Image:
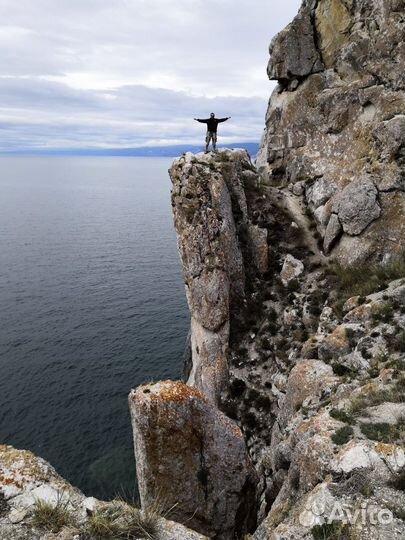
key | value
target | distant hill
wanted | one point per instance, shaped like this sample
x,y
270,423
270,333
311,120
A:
x,y
151,151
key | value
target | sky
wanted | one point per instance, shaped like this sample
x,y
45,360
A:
x,y
129,73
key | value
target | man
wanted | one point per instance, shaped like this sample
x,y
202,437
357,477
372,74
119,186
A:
x,y
212,125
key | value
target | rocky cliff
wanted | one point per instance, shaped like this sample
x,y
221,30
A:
x,y
335,126
315,368
217,237
301,341
290,423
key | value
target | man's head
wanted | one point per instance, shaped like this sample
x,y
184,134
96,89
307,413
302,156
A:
x,y
212,115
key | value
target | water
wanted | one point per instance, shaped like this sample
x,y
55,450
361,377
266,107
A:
x,y
92,304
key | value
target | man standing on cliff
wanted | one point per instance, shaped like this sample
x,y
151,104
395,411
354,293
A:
x,y
212,125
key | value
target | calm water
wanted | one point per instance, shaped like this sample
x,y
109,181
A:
x,y
92,304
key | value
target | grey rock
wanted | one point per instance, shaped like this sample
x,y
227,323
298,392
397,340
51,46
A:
x,y
344,122
26,478
318,193
297,188
332,232
357,206
209,207
293,51
194,457
292,269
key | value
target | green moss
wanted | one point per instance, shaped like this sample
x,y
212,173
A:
x,y
342,416
380,431
331,531
399,342
351,336
384,313
398,482
374,372
340,369
343,435
384,432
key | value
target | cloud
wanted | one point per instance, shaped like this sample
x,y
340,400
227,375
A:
x,y
130,72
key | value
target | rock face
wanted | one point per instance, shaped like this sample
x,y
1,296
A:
x,y
294,52
193,457
336,123
307,357
25,479
210,215
338,439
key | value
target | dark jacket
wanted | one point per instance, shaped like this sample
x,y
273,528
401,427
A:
x,y
212,123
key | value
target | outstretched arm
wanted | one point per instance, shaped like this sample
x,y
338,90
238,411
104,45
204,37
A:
x,y
202,120
223,119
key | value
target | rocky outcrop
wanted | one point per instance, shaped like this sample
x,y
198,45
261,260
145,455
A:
x,y
194,458
335,123
294,52
215,232
26,481
306,356
338,441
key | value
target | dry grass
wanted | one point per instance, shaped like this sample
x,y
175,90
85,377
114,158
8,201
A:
x,y
365,279
52,516
121,520
393,394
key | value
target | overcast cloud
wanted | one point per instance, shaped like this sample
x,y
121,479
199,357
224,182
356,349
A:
x,y
119,73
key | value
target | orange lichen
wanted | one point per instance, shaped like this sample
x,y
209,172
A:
x,y
21,463
170,391
386,449
10,482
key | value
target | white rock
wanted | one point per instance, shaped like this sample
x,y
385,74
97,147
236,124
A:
x,y
90,504
17,515
354,457
292,268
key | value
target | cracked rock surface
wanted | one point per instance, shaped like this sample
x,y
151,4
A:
x,y
193,457
336,123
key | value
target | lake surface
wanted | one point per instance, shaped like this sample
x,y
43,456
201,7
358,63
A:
x,y
92,304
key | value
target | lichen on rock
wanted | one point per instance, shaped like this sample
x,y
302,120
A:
x,y
340,127
194,458
213,226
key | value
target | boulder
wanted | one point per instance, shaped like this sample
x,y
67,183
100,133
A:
x,y
292,269
194,458
357,206
294,54
26,478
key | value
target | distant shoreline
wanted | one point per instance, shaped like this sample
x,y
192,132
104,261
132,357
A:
x,y
152,151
